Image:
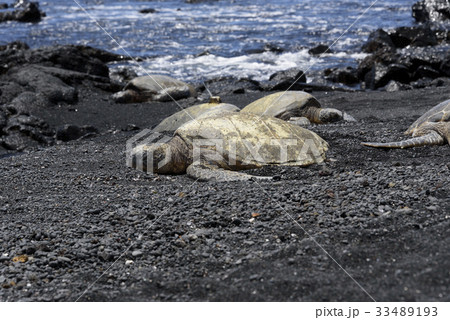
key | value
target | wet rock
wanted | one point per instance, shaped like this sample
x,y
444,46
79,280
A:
x,y
199,1
147,10
346,75
378,40
72,132
431,10
25,12
255,48
420,36
320,49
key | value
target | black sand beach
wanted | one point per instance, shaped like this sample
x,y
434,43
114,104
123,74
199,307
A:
x,y
94,230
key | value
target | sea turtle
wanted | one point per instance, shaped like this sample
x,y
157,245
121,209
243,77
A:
x,y
432,128
213,107
216,147
297,107
154,88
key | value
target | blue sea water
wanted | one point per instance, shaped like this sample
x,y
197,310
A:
x,y
234,33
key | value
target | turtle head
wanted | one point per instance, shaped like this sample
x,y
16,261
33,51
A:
x,y
327,115
164,158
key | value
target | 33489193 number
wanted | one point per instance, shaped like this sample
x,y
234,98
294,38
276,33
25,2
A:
x,y
407,311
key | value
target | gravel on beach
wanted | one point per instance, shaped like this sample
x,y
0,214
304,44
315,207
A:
x,y
77,224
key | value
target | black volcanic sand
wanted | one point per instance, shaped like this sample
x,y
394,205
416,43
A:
x,y
94,230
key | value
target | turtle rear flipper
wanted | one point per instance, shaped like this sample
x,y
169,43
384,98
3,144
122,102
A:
x,y
208,172
430,139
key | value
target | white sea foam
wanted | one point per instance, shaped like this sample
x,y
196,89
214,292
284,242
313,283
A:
x,y
255,66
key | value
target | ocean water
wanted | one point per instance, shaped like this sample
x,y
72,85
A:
x,y
195,42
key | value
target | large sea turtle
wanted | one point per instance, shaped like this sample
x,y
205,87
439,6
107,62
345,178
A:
x,y
218,146
213,107
432,128
295,106
154,88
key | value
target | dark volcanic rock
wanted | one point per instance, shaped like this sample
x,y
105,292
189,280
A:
x,y
54,89
431,10
288,79
74,58
414,57
27,102
23,131
3,120
347,76
26,12
431,60
199,1
445,67
227,85
8,91
321,48
381,74
71,57
255,48
33,81
383,56
420,36
378,40
72,132
425,72
147,10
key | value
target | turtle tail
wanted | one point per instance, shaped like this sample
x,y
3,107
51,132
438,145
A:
x,y
430,139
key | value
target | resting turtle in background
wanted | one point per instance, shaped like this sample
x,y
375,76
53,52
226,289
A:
x,y
213,107
154,88
297,107
432,128
218,146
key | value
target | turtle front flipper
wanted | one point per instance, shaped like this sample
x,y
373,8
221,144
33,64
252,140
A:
x,y
206,172
430,139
